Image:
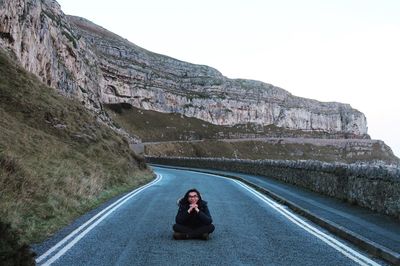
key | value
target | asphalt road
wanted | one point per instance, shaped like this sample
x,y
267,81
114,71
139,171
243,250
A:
x,y
250,230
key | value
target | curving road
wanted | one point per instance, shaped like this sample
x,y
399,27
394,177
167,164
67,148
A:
x,y
250,230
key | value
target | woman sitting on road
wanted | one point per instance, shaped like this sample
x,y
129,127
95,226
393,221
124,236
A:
x,y
193,219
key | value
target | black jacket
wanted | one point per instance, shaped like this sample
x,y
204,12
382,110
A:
x,y
193,219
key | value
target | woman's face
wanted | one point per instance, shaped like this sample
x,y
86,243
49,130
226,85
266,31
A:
x,y
193,198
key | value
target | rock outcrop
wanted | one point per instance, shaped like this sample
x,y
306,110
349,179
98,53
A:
x,y
97,66
41,38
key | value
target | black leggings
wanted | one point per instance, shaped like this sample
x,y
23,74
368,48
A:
x,y
194,231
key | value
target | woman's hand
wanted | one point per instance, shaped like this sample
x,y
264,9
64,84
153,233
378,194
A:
x,y
193,206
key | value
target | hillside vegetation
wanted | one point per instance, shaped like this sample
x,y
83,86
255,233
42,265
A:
x,y
155,126
170,134
56,160
277,149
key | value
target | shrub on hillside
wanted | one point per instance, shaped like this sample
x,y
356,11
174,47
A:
x,y
12,252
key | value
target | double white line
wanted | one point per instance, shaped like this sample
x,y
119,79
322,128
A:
x,y
70,240
339,246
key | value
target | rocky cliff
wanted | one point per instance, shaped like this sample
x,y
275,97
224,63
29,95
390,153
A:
x,y
97,66
41,38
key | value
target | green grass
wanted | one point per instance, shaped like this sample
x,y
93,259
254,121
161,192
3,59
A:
x,y
56,160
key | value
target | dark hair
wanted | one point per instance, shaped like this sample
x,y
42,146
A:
x,y
185,198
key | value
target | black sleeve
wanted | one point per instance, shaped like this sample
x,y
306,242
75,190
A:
x,y
205,215
182,214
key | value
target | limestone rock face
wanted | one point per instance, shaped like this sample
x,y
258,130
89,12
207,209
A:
x,y
97,66
41,38
155,82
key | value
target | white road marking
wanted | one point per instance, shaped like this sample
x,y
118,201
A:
x,y
103,214
282,209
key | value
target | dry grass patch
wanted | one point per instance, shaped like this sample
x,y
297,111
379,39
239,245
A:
x,y
155,126
272,150
56,160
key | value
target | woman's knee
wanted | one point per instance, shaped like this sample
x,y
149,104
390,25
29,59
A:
x,y
211,228
176,228
181,228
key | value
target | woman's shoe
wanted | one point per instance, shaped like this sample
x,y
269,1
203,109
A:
x,y
179,236
205,236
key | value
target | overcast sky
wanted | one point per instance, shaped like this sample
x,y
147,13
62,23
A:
x,y
334,50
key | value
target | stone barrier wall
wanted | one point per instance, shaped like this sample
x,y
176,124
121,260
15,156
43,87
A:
x,y
376,187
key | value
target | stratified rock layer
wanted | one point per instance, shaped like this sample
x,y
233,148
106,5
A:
x,y
41,38
97,66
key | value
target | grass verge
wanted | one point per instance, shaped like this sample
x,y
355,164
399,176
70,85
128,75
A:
x,y
56,160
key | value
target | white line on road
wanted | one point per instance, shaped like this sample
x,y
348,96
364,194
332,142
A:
x,y
103,214
345,250
342,248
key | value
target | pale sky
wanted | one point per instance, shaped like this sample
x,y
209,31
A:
x,y
330,50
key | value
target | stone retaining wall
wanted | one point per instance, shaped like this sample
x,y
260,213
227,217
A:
x,y
376,187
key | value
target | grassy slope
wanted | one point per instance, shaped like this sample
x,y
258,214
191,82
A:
x,y
56,160
155,126
266,150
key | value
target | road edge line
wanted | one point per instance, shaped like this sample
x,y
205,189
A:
x,y
368,245
92,220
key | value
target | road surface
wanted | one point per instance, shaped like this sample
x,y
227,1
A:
x,y
250,230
